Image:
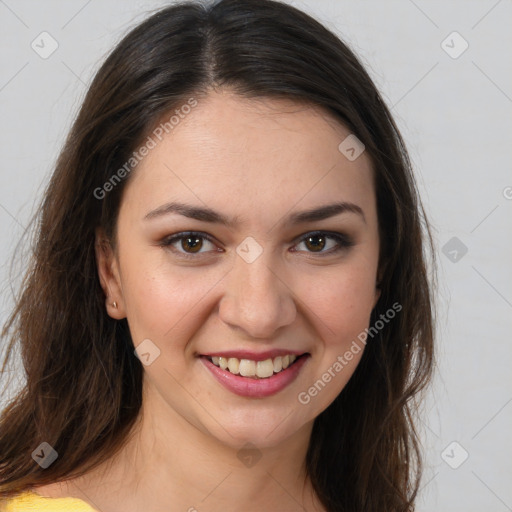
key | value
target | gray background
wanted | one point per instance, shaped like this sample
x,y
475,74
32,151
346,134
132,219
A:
x,y
455,115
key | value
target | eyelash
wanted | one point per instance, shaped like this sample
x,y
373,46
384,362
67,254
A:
x,y
343,241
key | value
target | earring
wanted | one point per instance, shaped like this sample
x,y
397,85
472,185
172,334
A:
x,y
114,304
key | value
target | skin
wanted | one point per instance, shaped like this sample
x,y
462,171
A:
x,y
259,161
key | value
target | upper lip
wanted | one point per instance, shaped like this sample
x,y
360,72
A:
x,y
255,356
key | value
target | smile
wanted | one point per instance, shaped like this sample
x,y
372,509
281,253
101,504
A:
x,y
255,379
255,369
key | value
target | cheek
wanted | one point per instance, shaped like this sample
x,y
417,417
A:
x,y
341,305
342,302
162,302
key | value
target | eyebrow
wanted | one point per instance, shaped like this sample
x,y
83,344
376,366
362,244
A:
x,y
209,215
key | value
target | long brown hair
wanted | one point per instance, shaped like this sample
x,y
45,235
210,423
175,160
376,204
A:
x,y
83,387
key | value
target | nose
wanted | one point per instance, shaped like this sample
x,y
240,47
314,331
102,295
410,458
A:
x,y
257,300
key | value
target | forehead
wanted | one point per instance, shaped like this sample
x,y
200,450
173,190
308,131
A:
x,y
250,153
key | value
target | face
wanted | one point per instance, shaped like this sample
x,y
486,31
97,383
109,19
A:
x,y
219,260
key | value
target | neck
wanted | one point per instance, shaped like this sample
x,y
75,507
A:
x,y
169,462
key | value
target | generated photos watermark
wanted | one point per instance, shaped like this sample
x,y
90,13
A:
x,y
151,142
304,397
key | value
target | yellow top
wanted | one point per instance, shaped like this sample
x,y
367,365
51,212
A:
x,y
31,502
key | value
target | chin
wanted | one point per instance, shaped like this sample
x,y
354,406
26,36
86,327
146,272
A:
x,y
252,427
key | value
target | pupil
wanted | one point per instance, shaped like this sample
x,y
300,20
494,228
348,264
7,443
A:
x,y
317,246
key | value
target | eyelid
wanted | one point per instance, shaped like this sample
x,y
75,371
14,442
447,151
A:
x,y
343,241
328,234
167,242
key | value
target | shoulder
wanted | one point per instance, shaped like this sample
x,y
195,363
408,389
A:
x,y
29,501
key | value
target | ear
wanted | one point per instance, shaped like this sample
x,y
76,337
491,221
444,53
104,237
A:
x,y
108,272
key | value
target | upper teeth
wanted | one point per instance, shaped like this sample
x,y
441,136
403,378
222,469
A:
x,y
249,368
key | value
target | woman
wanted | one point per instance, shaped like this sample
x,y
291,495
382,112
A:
x,y
228,304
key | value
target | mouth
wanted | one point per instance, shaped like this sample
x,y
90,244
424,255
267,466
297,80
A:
x,y
253,369
257,377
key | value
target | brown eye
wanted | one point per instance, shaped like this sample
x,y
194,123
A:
x,y
191,243
317,242
188,245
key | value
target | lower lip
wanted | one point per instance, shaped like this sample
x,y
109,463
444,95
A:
x,y
256,388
